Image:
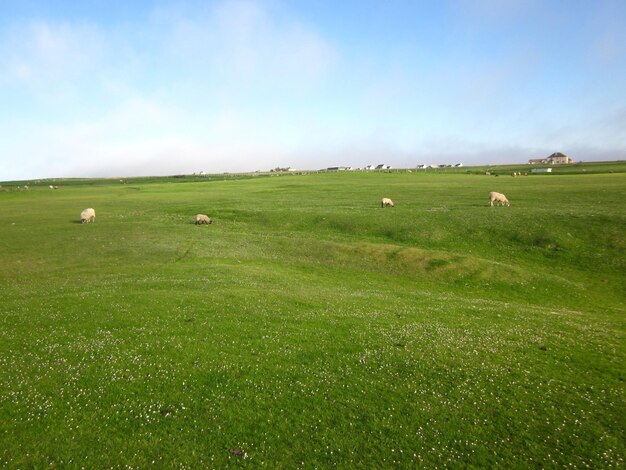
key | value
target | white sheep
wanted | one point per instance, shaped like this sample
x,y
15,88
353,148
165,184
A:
x,y
203,219
498,198
386,202
88,215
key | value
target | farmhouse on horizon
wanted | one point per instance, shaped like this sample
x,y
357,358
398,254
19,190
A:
x,y
556,158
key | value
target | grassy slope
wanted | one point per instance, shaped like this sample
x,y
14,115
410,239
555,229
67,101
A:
x,y
310,325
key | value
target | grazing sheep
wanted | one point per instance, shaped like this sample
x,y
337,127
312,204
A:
x,y
203,219
386,202
498,198
88,215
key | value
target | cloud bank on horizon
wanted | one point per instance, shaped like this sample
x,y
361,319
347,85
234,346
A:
x,y
101,88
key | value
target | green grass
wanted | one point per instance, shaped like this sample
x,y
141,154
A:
x,y
308,327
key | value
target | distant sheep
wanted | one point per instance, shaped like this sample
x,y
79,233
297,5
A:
x,y
88,215
203,219
498,198
386,202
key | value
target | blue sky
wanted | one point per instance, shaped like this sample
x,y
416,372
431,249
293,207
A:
x,y
119,88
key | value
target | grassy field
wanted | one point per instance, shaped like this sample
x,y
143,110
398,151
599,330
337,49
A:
x,y
309,328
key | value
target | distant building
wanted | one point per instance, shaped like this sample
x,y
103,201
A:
x,y
382,166
339,168
557,158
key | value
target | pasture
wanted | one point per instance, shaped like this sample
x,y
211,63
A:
x,y
308,327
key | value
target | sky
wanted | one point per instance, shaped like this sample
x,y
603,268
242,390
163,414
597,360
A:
x,y
107,88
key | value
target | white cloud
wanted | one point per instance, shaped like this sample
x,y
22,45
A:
x,y
242,40
39,52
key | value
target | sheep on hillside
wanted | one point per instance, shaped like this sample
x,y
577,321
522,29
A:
x,y
386,202
88,215
498,198
203,219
